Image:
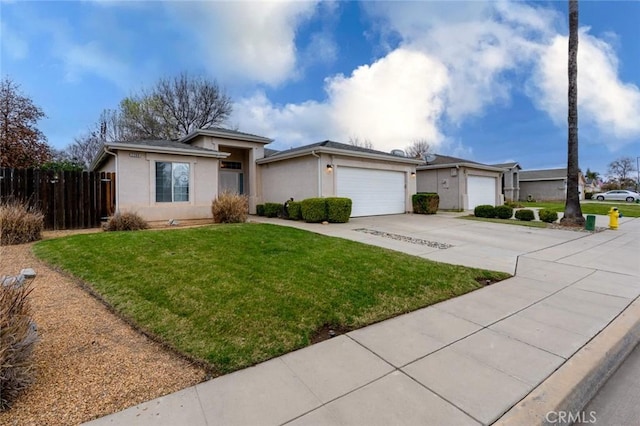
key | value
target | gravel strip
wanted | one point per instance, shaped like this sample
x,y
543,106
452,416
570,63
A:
x,y
89,362
398,237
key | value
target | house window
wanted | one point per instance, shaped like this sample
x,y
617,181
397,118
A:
x,y
231,165
172,182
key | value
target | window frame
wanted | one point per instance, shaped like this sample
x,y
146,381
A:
x,y
176,190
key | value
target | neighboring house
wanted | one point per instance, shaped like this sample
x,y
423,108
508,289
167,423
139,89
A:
x,y
161,180
547,184
377,182
461,184
592,185
510,180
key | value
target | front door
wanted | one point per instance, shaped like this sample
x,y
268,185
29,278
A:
x,y
231,181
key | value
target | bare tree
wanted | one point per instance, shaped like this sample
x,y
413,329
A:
x,y
572,209
418,148
621,168
22,144
362,143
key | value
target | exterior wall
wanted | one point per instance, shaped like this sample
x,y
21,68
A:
x,y
136,186
109,165
543,190
308,176
511,184
446,183
281,180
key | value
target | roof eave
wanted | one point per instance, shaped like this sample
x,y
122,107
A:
x,y
337,151
225,135
468,165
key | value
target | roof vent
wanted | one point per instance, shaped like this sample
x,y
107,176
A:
x,y
398,152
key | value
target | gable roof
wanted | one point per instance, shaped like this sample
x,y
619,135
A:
x,y
445,161
545,174
155,146
507,165
221,132
332,147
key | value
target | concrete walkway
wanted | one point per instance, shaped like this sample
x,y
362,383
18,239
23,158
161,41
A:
x,y
464,361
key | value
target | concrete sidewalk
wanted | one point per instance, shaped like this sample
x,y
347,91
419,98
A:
x,y
464,361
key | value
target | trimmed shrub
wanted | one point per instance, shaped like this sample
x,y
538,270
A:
x,y
504,212
425,203
17,340
338,209
272,209
484,210
295,210
260,209
127,221
514,204
547,215
314,210
19,223
525,214
230,207
588,195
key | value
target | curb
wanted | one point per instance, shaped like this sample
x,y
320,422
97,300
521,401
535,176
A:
x,y
561,397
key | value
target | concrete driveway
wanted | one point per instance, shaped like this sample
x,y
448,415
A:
x,y
446,238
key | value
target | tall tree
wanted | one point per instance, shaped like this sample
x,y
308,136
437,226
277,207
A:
x,y
595,176
620,172
22,144
418,148
174,107
572,209
362,143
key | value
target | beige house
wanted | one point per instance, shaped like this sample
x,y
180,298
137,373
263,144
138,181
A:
x,y
163,180
547,184
510,180
377,182
461,184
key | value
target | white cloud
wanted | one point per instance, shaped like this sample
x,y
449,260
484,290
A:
x,y
605,102
90,57
254,41
12,43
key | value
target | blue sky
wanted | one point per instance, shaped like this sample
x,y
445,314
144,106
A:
x,y
484,81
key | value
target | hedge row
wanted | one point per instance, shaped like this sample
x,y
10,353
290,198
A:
x,y
314,210
486,210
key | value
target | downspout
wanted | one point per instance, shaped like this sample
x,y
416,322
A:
x,y
106,150
313,152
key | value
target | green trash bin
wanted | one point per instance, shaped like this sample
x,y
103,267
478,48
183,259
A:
x,y
590,224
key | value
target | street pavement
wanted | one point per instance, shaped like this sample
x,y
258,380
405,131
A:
x,y
467,360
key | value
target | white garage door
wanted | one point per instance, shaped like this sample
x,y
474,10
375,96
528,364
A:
x,y
373,192
481,190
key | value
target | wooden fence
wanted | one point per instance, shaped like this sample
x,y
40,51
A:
x,y
68,200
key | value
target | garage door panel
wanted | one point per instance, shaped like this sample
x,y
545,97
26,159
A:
x,y
373,192
481,190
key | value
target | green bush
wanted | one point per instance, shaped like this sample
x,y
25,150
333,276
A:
x,y
127,221
338,209
314,210
547,215
588,195
504,212
514,204
525,214
295,210
425,203
18,336
230,207
19,223
272,209
260,209
484,210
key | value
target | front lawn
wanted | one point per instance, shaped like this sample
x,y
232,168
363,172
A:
x,y
594,207
236,295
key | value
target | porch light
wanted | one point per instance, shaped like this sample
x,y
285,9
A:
x,y
413,175
329,168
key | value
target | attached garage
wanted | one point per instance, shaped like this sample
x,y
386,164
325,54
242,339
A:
x,y
481,190
373,192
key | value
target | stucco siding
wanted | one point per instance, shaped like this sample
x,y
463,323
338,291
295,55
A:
x,y
137,190
543,190
296,177
442,182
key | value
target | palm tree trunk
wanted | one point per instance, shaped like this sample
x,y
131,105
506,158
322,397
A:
x,y
572,210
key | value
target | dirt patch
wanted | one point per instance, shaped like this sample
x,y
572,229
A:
x,y
486,281
328,331
89,362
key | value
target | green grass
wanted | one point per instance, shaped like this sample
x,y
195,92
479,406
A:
x,y
531,224
235,295
595,207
